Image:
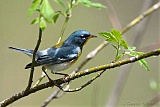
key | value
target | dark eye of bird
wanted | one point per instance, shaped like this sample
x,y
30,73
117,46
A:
x,y
84,36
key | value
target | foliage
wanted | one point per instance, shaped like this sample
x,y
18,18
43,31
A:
x,y
48,15
115,39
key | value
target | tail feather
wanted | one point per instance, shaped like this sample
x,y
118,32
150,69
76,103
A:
x,y
26,51
28,66
14,48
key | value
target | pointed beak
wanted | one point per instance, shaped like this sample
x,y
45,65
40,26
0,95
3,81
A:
x,y
92,36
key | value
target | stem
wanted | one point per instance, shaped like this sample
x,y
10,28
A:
x,y
117,50
33,60
34,56
141,17
21,94
68,15
63,28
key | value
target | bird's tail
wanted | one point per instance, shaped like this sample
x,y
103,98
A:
x,y
25,51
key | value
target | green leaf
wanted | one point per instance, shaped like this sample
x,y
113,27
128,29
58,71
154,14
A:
x,y
143,63
56,15
131,48
117,34
46,10
33,7
60,3
97,5
35,21
124,44
42,24
88,3
48,20
108,36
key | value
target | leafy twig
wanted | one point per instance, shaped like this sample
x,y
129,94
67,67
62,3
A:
x,y
78,75
103,44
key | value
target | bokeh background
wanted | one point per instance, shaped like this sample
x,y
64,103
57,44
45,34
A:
x,y
16,30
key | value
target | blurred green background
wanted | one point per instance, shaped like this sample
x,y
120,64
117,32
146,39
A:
x,y
16,30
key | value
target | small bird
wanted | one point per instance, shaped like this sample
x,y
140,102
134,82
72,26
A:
x,y
61,56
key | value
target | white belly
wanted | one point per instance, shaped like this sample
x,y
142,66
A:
x,y
58,67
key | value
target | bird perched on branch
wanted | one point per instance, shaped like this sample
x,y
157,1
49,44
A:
x,y
62,55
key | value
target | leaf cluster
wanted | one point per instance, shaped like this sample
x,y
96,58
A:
x,y
49,15
122,48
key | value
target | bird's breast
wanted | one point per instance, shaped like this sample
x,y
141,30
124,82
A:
x,y
58,67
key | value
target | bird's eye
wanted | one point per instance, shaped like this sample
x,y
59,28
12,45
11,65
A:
x,y
84,36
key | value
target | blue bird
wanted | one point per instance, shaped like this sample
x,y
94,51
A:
x,y
61,56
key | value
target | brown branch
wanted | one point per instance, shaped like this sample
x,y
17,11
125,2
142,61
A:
x,y
77,75
34,56
33,60
54,95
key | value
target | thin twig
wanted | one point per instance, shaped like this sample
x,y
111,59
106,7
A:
x,y
63,28
33,61
40,79
142,16
86,84
78,75
52,96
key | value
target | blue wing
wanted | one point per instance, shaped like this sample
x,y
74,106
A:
x,y
56,56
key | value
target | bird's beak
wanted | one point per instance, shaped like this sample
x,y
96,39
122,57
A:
x,y
92,36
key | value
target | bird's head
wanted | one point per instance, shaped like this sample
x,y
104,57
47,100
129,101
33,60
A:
x,y
79,38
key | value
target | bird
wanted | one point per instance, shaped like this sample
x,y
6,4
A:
x,y
60,56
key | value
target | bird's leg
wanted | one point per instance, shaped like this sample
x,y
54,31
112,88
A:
x,y
65,75
43,69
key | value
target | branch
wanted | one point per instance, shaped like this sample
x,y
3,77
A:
x,y
142,16
52,96
84,85
122,77
33,61
63,28
77,75
130,25
101,46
